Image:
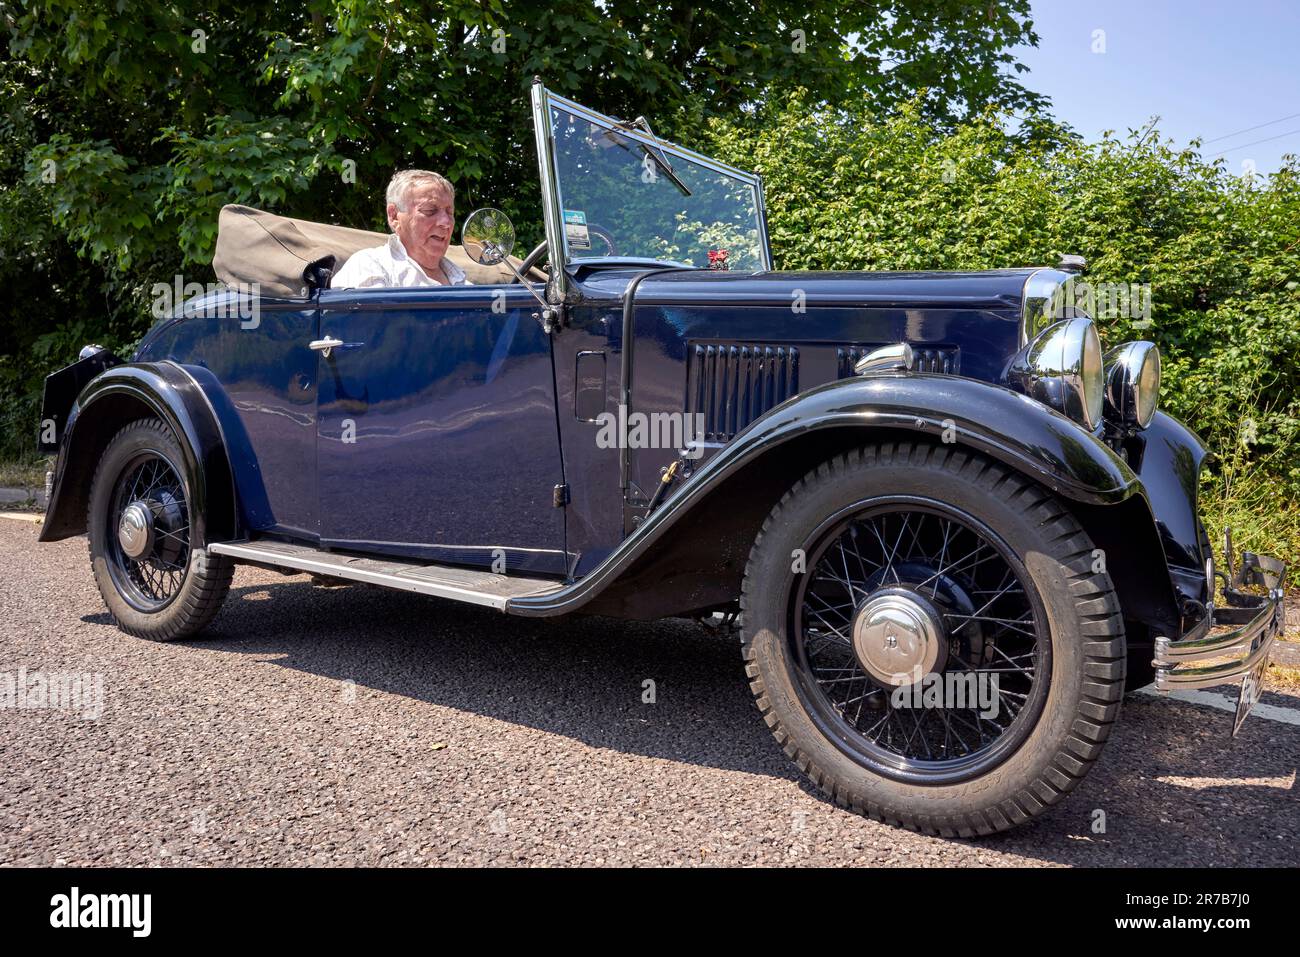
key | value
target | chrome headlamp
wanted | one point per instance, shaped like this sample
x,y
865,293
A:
x,y
1132,384
1061,367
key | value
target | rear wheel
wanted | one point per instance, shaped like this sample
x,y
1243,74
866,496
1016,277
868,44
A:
x,y
150,564
927,638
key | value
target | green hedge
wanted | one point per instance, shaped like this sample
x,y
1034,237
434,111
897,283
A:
x,y
1221,255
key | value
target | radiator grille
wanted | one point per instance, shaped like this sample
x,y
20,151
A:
x,y
732,385
945,359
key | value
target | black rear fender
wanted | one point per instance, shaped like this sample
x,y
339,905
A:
x,y
123,394
61,391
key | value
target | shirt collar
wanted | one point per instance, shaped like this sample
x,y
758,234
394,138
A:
x,y
454,272
455,275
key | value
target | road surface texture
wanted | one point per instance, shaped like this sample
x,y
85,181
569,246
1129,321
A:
x,y
360,726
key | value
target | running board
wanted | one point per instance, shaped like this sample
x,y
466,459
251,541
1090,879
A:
x,y
441,581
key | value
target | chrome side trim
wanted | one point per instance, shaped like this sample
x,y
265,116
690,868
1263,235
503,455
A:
x,y
440,581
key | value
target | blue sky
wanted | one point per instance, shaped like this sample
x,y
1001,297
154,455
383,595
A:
x,y
1207,68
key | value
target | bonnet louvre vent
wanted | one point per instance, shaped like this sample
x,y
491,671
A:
x,y
943,359
732,385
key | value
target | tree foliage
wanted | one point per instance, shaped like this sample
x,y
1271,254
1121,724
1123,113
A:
x,y
124,127
1221,255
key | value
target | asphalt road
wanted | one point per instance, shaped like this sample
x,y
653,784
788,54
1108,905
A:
x,y
360,726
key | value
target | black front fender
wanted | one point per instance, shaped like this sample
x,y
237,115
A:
x,y
120,395
1005,425
672,566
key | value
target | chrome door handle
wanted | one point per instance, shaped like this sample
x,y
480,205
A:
x,y
323,346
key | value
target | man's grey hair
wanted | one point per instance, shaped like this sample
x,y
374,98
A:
x,y
399,187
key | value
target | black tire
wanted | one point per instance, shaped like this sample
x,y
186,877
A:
x,y
176,587
1047,748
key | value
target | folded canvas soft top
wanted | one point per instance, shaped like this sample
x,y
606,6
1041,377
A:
x,y
289,257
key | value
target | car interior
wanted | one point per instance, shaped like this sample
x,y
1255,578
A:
x,y
292,258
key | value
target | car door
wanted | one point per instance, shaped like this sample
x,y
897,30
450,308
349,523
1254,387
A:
x,y
436,427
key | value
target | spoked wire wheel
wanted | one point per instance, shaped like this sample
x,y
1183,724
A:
x,y
150,551
917,639
147,532
939,651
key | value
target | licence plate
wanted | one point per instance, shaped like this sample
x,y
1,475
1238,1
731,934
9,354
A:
x,y
1252,686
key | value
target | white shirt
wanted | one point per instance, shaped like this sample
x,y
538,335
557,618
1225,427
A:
x,y
389,265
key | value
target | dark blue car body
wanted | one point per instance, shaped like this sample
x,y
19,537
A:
x,y
466,419
651,436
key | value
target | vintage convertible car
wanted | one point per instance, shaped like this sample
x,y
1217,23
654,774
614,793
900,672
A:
x,y
947,527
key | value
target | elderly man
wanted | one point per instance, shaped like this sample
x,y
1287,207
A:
x,y
422,214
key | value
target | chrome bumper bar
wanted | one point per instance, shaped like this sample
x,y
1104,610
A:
x,y
1247,647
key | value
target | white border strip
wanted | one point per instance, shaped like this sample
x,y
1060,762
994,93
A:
x,y
1269,712
32,518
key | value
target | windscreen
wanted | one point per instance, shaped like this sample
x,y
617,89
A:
x,y
623,193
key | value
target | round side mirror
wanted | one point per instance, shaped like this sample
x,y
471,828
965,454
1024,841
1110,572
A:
x,y
488,236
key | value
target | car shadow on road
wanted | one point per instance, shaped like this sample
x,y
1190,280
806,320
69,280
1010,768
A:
x,y
1173,787
584,677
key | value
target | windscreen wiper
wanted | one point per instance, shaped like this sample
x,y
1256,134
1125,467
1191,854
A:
x,y
655,153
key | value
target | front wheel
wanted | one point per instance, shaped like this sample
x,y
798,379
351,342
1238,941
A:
x,y
927,637
152,568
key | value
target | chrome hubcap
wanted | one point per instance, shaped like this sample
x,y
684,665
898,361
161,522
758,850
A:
x,y
135,531
898,637
902,590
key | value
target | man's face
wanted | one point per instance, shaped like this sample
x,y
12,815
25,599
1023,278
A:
x,y
425,227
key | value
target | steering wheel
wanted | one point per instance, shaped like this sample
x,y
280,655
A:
x,y
606,237
541,249
533,258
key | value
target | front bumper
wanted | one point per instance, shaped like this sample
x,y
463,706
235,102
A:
x,y
1180,664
